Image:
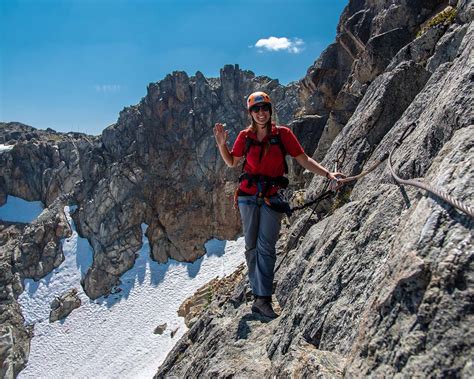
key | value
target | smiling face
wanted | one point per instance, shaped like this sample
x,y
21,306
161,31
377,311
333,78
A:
x,y
261,114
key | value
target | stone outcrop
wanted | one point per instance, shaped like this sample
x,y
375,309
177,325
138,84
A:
x,y
14,335
39,249
160,328
63,305
216,292
26,251
166,171
383,284
157,165
43,165
369,35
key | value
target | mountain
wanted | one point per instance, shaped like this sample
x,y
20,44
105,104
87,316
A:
x,y
377,281
380,283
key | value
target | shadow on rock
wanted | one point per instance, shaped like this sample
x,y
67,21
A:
x,y
244,329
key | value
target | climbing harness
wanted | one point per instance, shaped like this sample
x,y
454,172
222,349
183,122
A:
x,y
264,183
272,140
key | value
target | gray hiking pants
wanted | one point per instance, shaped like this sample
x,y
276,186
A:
x,y
261,228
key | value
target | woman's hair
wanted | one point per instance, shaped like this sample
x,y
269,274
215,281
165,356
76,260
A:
x,y
253,126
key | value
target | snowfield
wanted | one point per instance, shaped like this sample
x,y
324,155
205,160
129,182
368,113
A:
x,y
114,336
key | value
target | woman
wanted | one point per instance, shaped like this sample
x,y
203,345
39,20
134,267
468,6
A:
x,y
263,145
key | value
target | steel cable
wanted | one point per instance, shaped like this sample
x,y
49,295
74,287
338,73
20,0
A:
x,y
436,191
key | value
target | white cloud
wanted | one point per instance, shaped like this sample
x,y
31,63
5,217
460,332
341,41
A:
x,y
106,88
280,44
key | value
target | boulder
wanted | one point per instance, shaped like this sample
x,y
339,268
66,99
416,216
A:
x,y
160,328
63,305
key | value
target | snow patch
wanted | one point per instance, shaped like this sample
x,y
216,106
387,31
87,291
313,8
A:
x,y
113,336
5,147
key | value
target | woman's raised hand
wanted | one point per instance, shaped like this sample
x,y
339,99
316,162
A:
x,y
220,134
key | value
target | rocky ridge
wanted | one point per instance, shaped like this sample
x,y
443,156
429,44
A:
x,y
382,285
157,165
364,90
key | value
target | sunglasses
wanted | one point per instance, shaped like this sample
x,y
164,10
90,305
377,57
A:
x,y
264,107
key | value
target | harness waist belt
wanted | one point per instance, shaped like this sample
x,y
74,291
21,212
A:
x,y
280,181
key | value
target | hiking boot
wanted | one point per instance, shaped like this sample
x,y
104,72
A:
x,y
263,306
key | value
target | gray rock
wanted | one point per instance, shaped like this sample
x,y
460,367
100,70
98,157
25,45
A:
x,y
447,47
384,102
308,130
324,80
344,107
382,285
160,328
378,52
39,249
465,11
420,49
15,336
173,332
63,305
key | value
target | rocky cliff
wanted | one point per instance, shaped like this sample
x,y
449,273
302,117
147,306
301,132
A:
x,y
379,283
382,284
157,165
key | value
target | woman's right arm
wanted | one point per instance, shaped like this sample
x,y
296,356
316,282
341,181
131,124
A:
x,y
221,138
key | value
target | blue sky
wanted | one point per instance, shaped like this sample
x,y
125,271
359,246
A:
x,y
73,65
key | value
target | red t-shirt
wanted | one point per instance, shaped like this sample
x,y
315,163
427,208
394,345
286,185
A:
x,y
272,163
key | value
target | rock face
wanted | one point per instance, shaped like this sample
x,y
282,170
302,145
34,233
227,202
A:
x,y
26,251
370,34
380,282
383,284
14,335
160,328
216,292
39,250
157,165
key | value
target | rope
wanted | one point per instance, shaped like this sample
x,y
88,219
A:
x,y
323,196
363,173
436,191
338,162
340,157
315,201
411,182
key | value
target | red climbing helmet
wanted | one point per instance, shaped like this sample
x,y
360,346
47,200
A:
x,y
256,98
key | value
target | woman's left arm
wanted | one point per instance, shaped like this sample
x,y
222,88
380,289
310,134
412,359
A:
x,y
310,164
